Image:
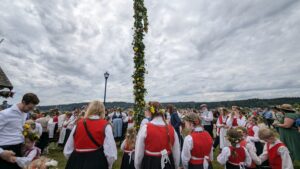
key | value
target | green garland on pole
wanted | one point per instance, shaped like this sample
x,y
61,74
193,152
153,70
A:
x,y
140,28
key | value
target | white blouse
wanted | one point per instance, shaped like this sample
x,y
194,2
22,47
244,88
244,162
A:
x,y
109,145
140,144
252,151
225,154
254,138
23,162
188,147
240,121
282,151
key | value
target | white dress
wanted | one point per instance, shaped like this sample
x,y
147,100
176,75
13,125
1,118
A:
x,y
223,131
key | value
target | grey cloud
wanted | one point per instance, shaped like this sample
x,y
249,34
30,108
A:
x,y
195,51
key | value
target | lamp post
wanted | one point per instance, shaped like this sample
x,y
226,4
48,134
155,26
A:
x,y
106,75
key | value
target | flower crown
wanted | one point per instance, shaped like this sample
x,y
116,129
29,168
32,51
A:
x,y
153,111
27,133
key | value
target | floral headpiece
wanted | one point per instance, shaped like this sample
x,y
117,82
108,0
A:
x,y
28,133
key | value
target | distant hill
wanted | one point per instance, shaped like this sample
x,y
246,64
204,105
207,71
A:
x,y
242,103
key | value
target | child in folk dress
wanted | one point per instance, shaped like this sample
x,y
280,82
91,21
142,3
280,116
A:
x,y
249,145
157,145
30,151
197,151
128,148
252,130
130,119
234,156
274,151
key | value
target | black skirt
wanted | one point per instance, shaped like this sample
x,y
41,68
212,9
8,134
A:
x,y
231,166
152,162
43,141
200,166
17,150
68,132
87,160
125,161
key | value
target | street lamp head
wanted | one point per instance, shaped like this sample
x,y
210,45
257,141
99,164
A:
x,y
106,75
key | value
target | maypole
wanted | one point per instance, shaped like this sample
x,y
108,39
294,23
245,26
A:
x,y
140,28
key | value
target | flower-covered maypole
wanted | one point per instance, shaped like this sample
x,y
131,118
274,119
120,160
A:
x,y
140,28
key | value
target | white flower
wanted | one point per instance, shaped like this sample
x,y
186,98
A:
x,y
51,163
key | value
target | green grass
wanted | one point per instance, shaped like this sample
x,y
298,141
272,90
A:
x,y
58,155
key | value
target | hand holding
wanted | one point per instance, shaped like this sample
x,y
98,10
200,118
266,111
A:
x,y
7,155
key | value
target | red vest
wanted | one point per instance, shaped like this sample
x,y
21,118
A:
x,y
234,121
126,147
130,119
240,155
97,130
250,131
220,119
243,143
157,138
202,145
275,160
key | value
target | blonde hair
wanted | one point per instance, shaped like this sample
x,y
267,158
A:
x,y
130,137
95,108
265,133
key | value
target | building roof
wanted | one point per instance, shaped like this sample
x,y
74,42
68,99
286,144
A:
x,y
4,81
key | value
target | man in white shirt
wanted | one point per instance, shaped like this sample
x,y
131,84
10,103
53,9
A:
x,y
207,118
11,128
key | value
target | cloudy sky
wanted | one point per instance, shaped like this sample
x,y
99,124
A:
x,y
196,50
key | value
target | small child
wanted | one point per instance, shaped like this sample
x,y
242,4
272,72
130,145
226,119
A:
x,y
274,151
249,145
234,156
197,151
128,148
130,119
30,151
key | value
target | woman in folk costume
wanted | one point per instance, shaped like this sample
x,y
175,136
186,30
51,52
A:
x,y
128,148
157,145
197,151
234,156
222,127
236,118
274,151
62,135
91,144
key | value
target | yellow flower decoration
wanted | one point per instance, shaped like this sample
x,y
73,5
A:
x,y
135,49
25,133
26,126
152,110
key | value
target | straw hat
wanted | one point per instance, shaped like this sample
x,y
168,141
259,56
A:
x,y
286,108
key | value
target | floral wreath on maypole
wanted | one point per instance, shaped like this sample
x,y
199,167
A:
x,y
139,91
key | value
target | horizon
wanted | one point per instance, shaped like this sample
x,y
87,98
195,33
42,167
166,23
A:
x,y
180,101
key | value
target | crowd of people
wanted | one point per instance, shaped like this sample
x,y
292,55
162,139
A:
x,y
167,138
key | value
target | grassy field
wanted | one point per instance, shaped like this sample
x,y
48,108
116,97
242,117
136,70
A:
x,y
58,155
